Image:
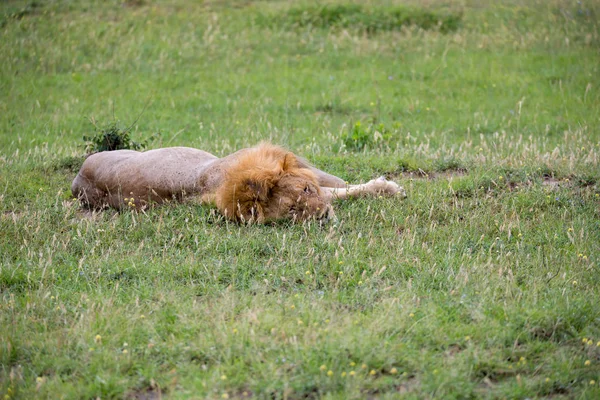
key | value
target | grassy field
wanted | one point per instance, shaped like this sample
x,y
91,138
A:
x,y
483,283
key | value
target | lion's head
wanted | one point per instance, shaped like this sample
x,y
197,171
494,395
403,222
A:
x,y
266,184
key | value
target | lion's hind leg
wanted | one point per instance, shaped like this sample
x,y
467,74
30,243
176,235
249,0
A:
x,y
88,194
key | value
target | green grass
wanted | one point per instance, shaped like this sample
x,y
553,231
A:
x,y
483,283
370,19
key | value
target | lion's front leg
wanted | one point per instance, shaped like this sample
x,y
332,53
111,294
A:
x,y
375,187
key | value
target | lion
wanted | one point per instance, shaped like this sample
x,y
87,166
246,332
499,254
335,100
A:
x,y
258,184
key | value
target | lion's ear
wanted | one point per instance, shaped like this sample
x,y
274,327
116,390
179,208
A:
x,y
289,162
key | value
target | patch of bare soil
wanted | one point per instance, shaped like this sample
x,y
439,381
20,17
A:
x,y
10,214
420,174
145,394
408,386
553,182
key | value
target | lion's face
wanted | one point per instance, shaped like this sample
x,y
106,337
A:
x,y
266,185
296,196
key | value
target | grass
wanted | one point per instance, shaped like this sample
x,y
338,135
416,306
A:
x,y
483,283
369,19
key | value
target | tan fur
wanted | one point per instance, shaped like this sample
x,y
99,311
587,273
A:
x,y
261,184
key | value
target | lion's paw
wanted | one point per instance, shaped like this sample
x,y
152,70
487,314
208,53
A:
x,y
383,187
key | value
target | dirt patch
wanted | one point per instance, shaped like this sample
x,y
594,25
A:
x,y
410,385
14,215
547,181
553,183
244,394
145,394
420,174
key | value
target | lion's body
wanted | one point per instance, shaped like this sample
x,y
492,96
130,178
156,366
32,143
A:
x,y
160,175
262,183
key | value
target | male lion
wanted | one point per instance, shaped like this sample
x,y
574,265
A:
x,y
262,183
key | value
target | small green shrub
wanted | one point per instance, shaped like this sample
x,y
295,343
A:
x,y
113,137
361,137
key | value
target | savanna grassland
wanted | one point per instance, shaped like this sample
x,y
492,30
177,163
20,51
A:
x,y
482,283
